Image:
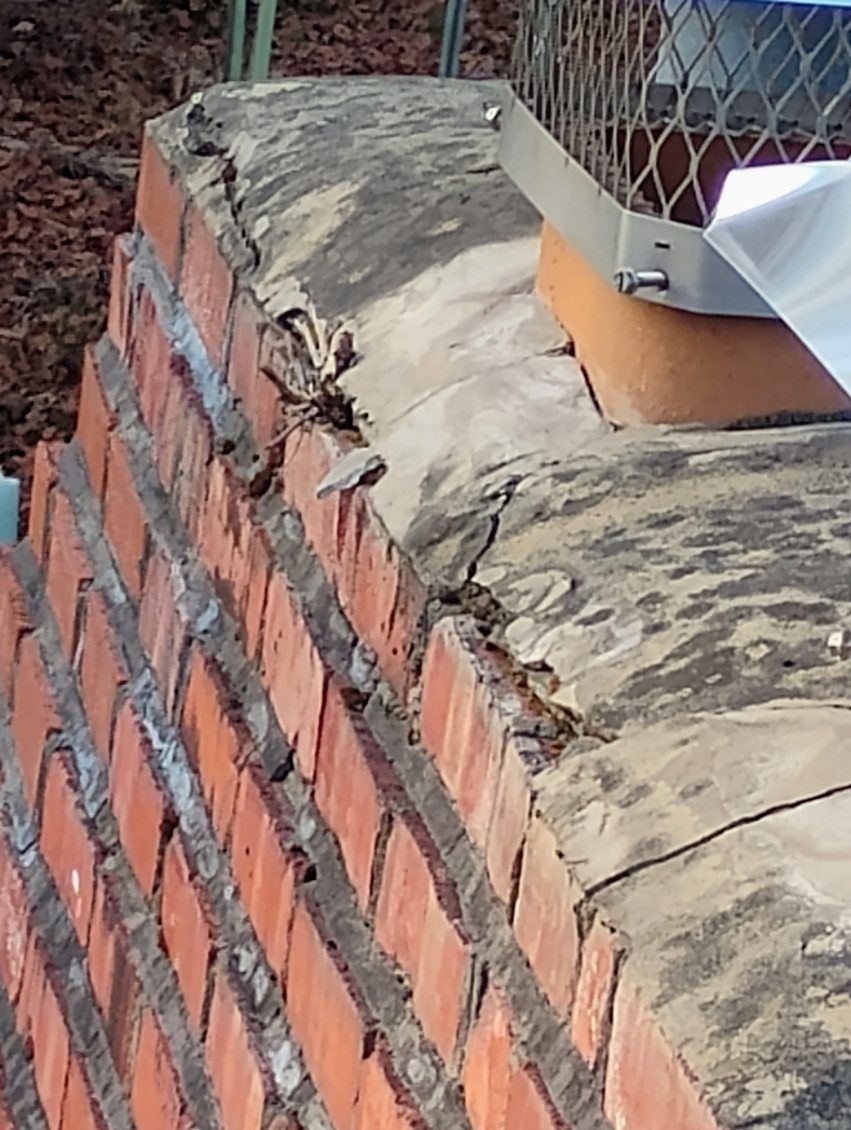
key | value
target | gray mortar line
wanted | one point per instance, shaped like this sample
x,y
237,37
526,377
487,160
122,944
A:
x,y
62,949
437,1096
246,960
422,1063
572,1085
563,1069
155,972
18,1087
295,553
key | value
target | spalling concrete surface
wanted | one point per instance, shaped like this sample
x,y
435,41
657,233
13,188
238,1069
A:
x,y
673,589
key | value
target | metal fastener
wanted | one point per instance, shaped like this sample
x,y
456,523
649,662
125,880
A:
x,y
492,114
628,281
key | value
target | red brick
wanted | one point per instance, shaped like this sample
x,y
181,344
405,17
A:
x,y
237,552
217,743
351,550
293,674
225,533
232,1063
377,587
162,628
80,1110
509,821
647,1085
67,843
325,1019
45,475
159,206
103,941
380,592
155,1100
32,988
349,766
441,679
260,398
244,359
50,1054
594,992
150,360
404,628
545,922
112,971
383,1103
182,446
310,455
189,487
251,609
461,727
118,321
34,717
404,898
264,872
441,980
95,422
102,673
487,1065
529,1106
68,570
415,924
168,438
14,923
186,930
137,800
14,621
206,284
124,518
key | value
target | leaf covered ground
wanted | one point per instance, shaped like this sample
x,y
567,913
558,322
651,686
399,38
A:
x,y
77,82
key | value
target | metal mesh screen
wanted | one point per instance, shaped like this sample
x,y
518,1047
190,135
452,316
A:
x,y
659,99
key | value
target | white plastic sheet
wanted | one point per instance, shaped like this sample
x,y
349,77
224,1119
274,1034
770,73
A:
x,y
787,230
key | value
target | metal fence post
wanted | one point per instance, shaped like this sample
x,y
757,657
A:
x,y
261,48
453,38
236,40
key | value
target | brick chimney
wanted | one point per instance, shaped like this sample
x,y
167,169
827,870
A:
x,y
385,744
648,363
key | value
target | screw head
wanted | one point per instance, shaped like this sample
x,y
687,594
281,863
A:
x,y
627,280
492,113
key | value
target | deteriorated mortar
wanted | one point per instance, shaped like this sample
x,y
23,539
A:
x,y
284,840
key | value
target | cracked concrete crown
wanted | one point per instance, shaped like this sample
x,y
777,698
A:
x,y
676,588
